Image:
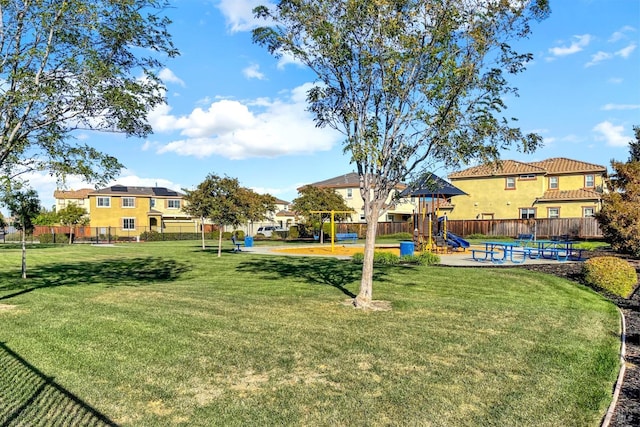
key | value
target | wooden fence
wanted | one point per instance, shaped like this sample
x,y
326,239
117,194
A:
x,y
579,228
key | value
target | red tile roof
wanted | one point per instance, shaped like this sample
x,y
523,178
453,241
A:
x,y
559,195
553,166
505,167
83,193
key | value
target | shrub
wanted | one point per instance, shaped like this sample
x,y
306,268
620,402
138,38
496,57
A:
x,y
294,233
226,235
398,236
239,234
46,238
610,273
379,258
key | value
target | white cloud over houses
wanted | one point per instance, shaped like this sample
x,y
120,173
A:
x,y
613,135
578,43
234,129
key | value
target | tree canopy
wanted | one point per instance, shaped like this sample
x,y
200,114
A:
x,y
72,65
311,198
24,206
409,83
71,216
619,217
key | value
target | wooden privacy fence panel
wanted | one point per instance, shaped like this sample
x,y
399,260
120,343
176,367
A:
x,y
581,228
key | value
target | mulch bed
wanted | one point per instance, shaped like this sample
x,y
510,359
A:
x,y
627,411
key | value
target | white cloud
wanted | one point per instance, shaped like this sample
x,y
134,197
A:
x,y
256,128
129,179
253,72
608,107
166,75
615,80
626,52
611,134
239,13
598,57
621,33
578,43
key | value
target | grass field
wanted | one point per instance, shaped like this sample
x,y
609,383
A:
x,y
168,334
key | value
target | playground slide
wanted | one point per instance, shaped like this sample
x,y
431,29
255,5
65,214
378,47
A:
x,y
457,241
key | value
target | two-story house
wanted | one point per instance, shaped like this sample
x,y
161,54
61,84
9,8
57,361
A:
x,y
348,186
552,188
79,198
139,209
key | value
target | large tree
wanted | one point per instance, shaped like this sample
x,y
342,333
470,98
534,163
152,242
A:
x,y
312,199
619,217
24,206
410,83
70,65
223,201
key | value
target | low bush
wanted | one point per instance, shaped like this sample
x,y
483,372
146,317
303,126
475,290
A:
x,y
379,258
294,233
239,234
610,273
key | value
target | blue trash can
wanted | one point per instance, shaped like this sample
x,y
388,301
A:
x,y
406,248
248,241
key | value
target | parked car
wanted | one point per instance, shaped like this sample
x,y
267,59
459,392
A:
x,y
268,230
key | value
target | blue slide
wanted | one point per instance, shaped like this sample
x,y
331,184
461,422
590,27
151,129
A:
x,y
456,241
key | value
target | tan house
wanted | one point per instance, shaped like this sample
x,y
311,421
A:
x,y
552,188
348,186
138,209
79,198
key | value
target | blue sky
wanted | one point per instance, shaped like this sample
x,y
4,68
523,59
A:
x,y
235,110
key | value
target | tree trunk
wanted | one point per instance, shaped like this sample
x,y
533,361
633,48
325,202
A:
x,y
71,229
202,231
365,295
24,254
220,241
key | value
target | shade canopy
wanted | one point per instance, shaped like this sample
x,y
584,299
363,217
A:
x,y
431,185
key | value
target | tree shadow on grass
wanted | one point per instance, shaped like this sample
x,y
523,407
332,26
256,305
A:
x,y
29,397
315,271
113,272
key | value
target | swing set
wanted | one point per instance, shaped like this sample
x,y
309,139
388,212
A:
x,y
333,223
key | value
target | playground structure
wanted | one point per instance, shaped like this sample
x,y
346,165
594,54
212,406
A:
x,y
430,228
333,226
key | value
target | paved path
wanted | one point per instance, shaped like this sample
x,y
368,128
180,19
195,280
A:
x,y
455,259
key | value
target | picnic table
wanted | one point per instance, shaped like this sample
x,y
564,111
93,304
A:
x,y
500,252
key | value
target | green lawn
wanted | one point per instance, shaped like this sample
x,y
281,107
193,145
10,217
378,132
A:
x,y
167,334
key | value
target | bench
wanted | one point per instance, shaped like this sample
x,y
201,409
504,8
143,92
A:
x,y
347,236
486,255
555,253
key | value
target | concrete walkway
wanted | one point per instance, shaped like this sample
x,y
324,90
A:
x,y
455,259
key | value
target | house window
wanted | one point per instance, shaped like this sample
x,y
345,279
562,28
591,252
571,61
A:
x,y
173,204
389,218
553,212
153,203
588,211
362,218
553,183
527,213
589,181
128,202
103,202
510,183
527,177
349,193
128,223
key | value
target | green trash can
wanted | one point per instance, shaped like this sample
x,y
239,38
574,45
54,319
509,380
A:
x,y
248,241
406,248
